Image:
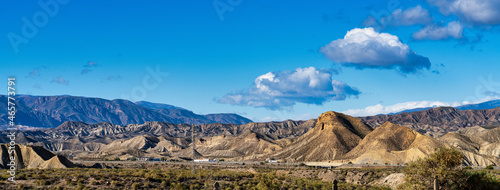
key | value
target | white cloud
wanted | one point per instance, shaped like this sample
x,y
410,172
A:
x,y
477,12
276,90
269,118
433,32
411,16
88,67
60,80
380,109
305,116
366,48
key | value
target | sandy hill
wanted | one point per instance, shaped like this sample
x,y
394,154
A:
x,y
395,144
476,140
392,144
439,121
143,145
248,145
333,135
33,157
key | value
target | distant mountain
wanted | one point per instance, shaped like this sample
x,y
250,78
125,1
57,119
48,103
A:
x,y
51,111
438,121
410,110
157,105
25,115
480,106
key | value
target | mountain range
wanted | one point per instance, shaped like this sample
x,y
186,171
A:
x,y
332,138
479,106
52,111
94,128
439,121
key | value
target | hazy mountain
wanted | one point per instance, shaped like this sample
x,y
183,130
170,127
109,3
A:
x,y
157,105
25,115
51,111
479,106
438,121
485,105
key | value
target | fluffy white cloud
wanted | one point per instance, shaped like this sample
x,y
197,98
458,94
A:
x,y
452,30
380,109
366,48
478,12
411,16
276,90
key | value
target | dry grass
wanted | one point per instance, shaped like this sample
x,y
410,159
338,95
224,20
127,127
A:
x,y
86,178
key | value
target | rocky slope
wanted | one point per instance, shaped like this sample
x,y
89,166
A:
x,y
78,138
333,135
28,157
439,121
392,144
476,139
395,144
51,111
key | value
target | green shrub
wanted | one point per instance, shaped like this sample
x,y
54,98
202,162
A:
x,y
489,167
444,166
41,182
135,186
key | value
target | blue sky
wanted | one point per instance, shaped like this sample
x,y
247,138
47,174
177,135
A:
x,y
263,60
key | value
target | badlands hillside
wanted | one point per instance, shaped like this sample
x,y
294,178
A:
x,y
333,137
28,157
438,121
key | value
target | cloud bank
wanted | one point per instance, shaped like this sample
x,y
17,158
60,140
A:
x,y
366,48
433,32
380,109
411,16
277,90
476,12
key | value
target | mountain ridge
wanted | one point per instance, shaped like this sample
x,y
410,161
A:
x,y
51,111
440,120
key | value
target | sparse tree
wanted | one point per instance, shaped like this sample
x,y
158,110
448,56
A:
x,y
443,165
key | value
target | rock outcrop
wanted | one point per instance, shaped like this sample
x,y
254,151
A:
x,y
27,157
334,135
